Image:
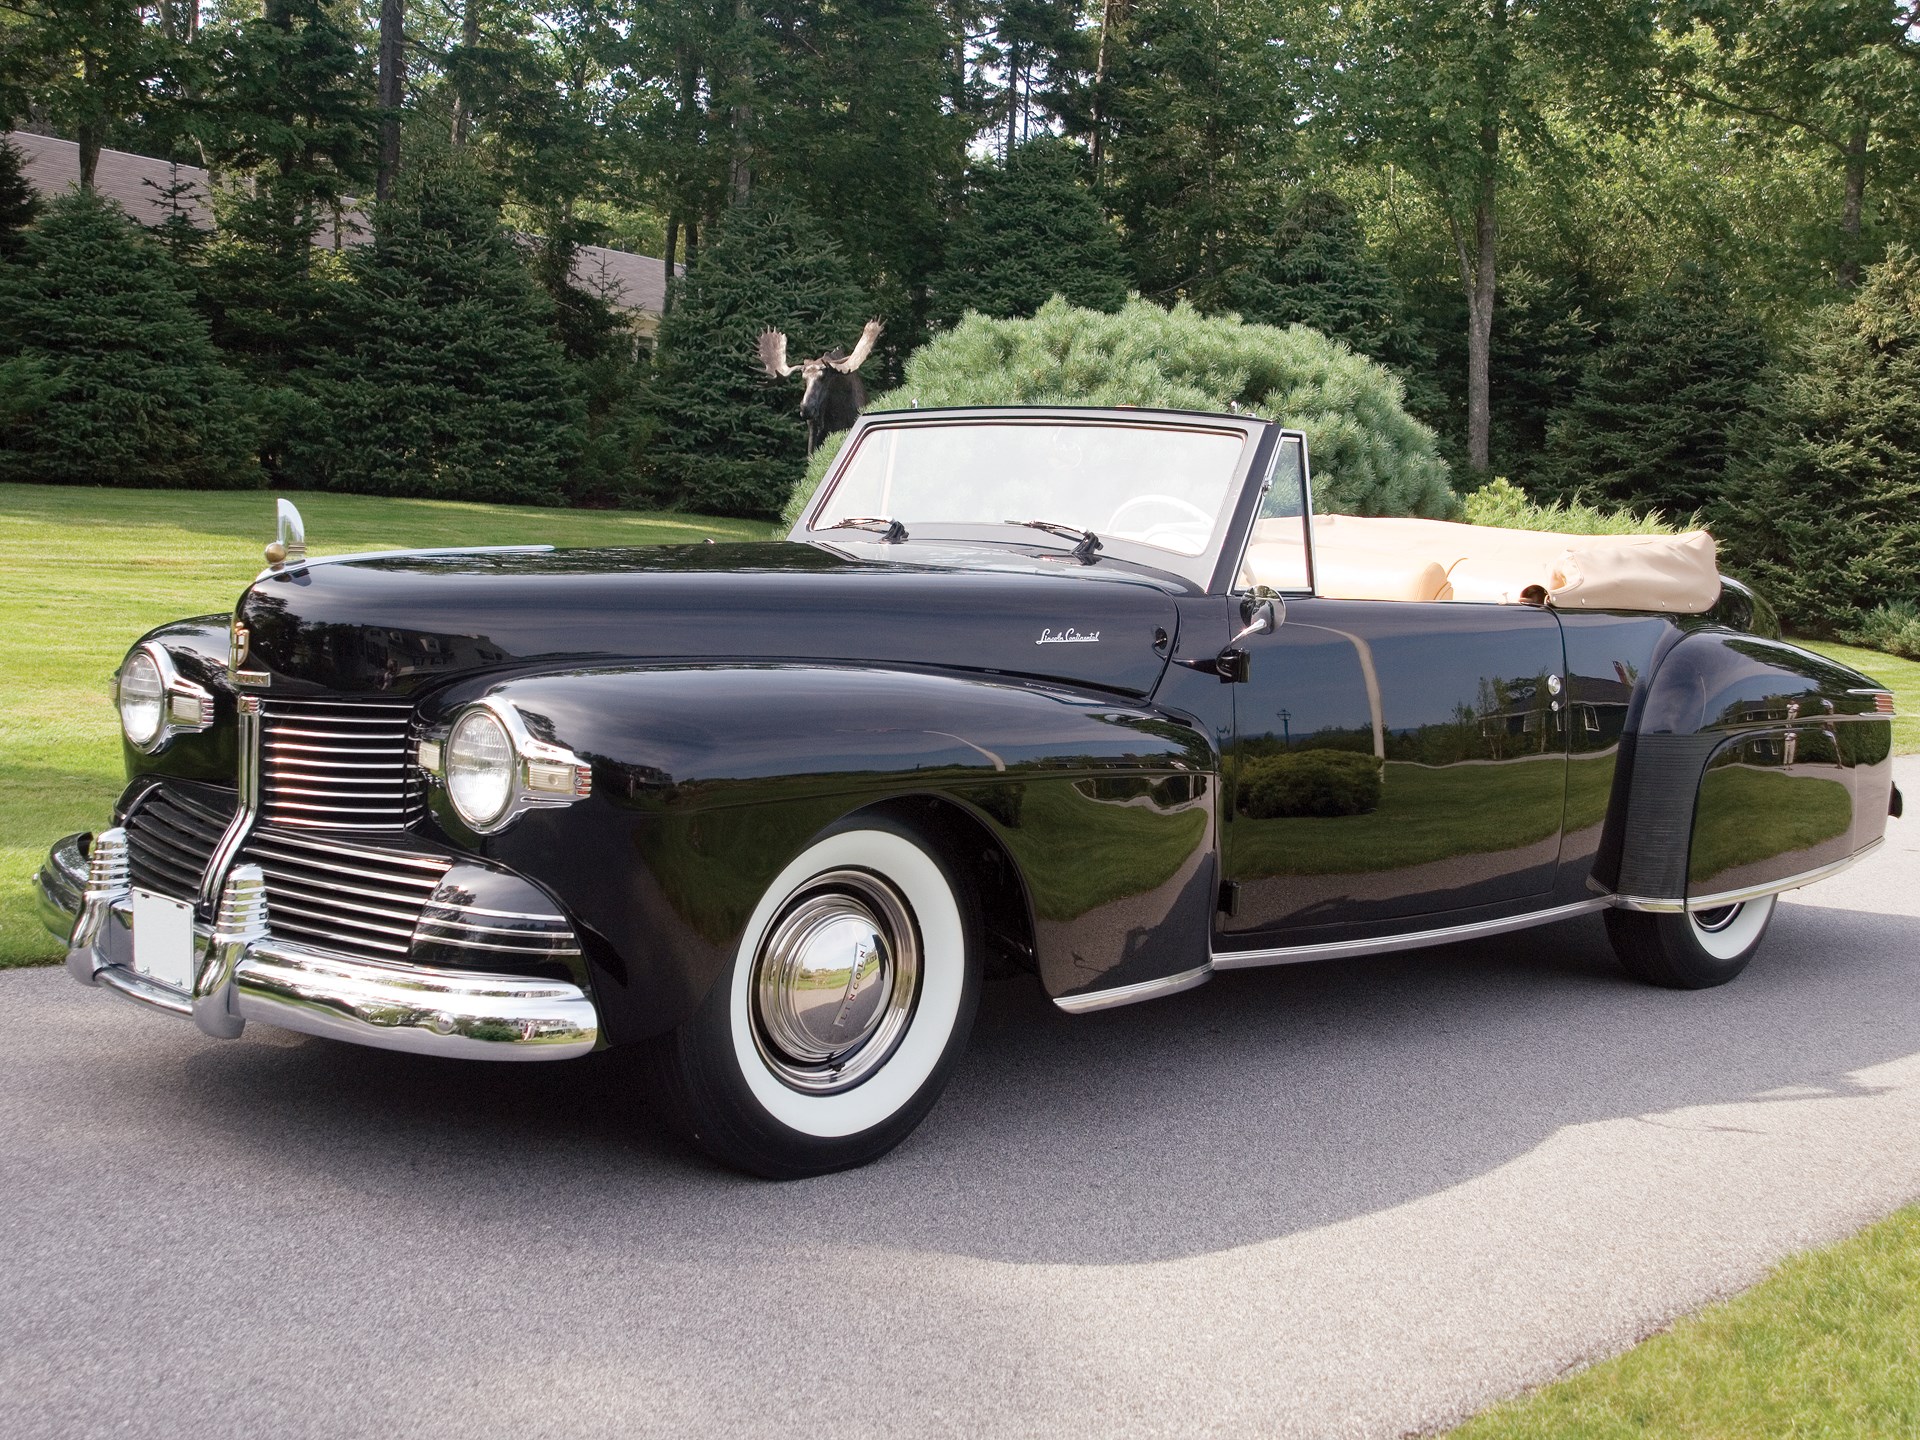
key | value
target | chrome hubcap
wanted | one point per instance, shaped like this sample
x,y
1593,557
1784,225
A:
x,y
1717,919
834,982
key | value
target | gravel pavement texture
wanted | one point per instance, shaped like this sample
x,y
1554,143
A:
x,y
1353,1199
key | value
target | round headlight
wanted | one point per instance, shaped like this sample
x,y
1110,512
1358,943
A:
x,y
480,765
143,699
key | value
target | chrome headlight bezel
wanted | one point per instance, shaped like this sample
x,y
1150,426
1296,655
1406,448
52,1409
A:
x,y
186,706
542,775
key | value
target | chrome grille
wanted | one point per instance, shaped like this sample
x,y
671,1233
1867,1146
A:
x,y
171,835
337,765
342,897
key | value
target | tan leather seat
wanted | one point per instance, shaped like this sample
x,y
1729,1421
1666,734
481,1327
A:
x,y
1391,558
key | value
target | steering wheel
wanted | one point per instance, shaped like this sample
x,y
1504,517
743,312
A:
x,y
1156,498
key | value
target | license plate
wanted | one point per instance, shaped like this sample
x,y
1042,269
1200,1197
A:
x,y
163,939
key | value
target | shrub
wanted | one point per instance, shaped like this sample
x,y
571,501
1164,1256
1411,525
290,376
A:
x,y
1318,783
1505,505
108,372
1369,456
727,439
1892,627
1031,230
1822,505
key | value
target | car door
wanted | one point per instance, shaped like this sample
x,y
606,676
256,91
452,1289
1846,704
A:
x,y
1395,765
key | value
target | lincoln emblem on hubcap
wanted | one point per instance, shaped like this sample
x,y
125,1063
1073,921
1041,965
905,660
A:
x,y
834,982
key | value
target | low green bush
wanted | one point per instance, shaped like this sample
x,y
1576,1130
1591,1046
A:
x,y
1370,457
1320,783
1505,505
1892,627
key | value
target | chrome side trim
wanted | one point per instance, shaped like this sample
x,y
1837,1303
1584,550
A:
x,y
1662,906
1415,940
1092,1000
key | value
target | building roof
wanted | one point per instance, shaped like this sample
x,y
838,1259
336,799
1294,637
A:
x,y
138,184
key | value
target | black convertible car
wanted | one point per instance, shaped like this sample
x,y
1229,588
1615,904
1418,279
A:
x,y
1085,693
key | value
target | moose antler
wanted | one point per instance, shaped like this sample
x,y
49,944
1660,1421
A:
x,y
773,353
860,352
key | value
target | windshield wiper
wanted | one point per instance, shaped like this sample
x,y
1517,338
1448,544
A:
x,y
890,530
1088,544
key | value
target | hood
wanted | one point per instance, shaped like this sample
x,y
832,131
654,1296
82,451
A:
x,y
402,624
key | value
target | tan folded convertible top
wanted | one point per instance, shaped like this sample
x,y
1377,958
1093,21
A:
x,y
1364,558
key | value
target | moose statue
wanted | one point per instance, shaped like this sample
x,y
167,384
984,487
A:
x,y
834,395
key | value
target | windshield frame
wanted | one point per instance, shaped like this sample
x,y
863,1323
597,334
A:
x,y
1203,571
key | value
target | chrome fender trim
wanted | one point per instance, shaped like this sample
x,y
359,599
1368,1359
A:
x,y
1660,905
1089,1000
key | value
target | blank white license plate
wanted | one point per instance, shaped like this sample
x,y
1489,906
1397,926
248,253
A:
x,y
163,939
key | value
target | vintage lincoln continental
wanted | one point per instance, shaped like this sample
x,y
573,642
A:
x,y
1088,694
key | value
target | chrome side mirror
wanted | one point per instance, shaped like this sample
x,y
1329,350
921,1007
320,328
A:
x,y
1261,613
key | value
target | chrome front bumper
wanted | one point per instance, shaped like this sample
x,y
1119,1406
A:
x,y
243,972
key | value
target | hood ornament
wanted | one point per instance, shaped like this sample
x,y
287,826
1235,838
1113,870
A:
x,y
289,546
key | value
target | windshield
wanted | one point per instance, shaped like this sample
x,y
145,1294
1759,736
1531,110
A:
x,y
1159,485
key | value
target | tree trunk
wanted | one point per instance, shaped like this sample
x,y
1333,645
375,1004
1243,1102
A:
x,y
88,131
693,243
1013,96
1850,205
740,166
673,245
393,89
469,41
1107,15
1480,290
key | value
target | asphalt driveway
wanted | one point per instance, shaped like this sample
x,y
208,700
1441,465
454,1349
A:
x,y
1349,1199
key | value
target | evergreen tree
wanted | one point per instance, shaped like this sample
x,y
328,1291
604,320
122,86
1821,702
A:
x,y
1031,230
730,440
1652,419
109,375
1822,502
18,203
288,110
1318,273
444,379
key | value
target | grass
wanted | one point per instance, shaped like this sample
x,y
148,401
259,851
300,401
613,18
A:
x,y
1900,676
84,573
1828,1346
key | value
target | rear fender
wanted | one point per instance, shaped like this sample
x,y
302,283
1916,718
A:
x,y
1755,766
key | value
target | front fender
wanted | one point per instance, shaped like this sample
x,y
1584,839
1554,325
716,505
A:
x,y
708,780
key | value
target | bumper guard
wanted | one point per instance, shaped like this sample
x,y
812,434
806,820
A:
x,y
243,972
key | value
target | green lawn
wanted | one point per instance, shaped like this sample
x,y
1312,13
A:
x,y
1829,1346
83,573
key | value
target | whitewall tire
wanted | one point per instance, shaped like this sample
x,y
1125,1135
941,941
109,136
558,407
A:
x,y
841,1014
1690,951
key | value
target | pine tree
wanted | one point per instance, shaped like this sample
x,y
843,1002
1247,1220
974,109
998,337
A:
x,y
18,203
1822,504
108,374
1032,230
444,379
1319,273
730,441
1651,421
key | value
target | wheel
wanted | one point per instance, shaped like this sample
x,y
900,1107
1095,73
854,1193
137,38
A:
x,y
835,1027
1693,951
